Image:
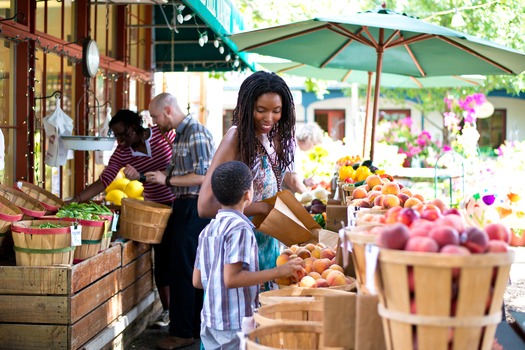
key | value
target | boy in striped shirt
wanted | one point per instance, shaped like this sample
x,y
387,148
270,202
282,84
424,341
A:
x,y
227,265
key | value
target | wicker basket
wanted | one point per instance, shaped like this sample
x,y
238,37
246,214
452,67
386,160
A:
x,y
360,237
51,202
108,234
92,232
295,294
9,213
143,221
293,336
30,207
456,300
296,312
42,246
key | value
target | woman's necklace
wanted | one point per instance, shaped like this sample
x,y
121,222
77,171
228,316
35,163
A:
x,y
275,167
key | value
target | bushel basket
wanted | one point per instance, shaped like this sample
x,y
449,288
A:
x,y
51,202
296,294
36,246
289,336
30,207
297,312
143,221
441,301
9,213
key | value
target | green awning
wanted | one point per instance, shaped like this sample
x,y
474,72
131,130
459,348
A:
x,y
177,47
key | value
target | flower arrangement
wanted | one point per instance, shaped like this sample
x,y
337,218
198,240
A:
x,y
413,145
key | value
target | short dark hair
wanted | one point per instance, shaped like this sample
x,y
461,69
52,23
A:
x,y
230,181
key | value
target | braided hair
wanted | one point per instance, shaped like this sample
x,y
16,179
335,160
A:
x,y
282,135
129,119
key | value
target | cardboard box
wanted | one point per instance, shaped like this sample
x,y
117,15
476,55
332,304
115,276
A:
x,y
288,221
334,215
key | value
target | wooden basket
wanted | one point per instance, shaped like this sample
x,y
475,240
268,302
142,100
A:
x,y
9,213
296,312
42,246
108,234
456,300
30,207
293,336
92,232
143,221
296,294
51,202
360,237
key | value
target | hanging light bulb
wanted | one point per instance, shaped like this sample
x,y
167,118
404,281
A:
x,y
221,49
457,20
205,37
236,62
216,43
181,7
180,18
188,17
201,41
228,57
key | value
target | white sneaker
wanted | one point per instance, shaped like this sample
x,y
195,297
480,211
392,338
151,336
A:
x,y
163,320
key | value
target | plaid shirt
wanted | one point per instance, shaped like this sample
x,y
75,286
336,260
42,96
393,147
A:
x,y
193,150
228,239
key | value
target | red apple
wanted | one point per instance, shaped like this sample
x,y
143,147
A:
x,y
444,235
393,236
407,216
498,231
475,240
496,246
421,244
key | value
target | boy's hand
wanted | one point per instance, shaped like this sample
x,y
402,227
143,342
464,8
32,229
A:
x,y
291,267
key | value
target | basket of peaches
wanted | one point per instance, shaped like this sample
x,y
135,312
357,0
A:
x,y
319,268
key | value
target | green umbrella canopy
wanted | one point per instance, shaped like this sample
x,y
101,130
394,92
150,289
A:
x,y
382,41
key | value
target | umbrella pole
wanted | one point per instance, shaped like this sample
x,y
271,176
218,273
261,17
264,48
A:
x,y
367,109
379,66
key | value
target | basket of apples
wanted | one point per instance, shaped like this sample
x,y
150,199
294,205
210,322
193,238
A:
x,y
319,271
441,284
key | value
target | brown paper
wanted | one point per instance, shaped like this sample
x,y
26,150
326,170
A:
x,y
339,321
288,221
329,238
335,214
369,327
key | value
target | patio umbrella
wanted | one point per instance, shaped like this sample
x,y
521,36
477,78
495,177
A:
x,y
382,41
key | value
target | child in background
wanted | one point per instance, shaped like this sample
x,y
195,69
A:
x,y
227,265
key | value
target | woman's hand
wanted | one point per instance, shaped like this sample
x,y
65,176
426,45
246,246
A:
x,y
157,177
131,173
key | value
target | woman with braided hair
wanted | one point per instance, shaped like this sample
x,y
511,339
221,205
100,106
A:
x,y
261,136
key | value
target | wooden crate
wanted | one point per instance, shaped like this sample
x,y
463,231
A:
x,y
64,307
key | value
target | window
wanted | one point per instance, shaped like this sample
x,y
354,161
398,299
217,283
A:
x,y
393,114
492,130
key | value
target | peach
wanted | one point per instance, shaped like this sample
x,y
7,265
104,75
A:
x,y
496,246
393,236
421,227
321,245
310,246
320,265
407,216
390,188
452,220
303,253
412,202
431,214
327,253
284,281
402,198
316,253
287,251
378,201
419,196
307,282
452,211
498,231
294,248
372,195
335,278
454,250
421,244
391,200
359,193
299,274
321,283
438,202
336,267
406,191
444,235
475,240
325,273
377,188
282,259
315,275
363,203
391,215
373,180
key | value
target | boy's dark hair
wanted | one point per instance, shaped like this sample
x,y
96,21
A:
x,y
230,181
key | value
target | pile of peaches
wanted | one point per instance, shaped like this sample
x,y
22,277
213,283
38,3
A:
x,y
319,268
382,193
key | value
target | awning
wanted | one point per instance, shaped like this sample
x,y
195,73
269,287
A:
x,y
181,28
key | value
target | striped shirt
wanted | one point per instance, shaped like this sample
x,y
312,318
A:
x,y
193,150
158,158
227,239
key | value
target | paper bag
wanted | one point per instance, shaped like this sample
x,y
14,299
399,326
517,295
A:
x,y
288,221
369,327
329,238
55,125
339,321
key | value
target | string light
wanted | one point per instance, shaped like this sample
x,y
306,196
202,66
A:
x,y
221,49
216,43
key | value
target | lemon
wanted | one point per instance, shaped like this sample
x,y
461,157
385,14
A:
x,y
118,184
134,189
115,196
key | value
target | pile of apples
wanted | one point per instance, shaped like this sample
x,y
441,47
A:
x,y
319,268
432,231
382,193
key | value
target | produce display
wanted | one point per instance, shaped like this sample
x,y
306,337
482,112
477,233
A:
x,y
84,211
121,187
320,269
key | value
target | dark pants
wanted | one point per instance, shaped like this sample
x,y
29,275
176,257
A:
x,y
162,254
185,300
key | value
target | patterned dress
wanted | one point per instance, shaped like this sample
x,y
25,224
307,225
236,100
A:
x,y
265,186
